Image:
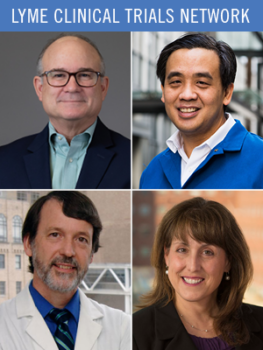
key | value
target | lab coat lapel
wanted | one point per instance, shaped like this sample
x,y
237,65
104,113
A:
x,y
36,327
89,327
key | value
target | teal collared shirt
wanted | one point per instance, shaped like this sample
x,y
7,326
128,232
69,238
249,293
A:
x,y
66,160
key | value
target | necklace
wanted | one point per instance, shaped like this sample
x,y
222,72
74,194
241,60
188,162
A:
x,y
201,330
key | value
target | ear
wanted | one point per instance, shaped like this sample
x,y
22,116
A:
x,y
91,258
228,94
227,266
104,87
162,98
38,85
27,246
166,258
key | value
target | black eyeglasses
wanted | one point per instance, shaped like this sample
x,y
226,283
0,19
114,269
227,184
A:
x,y
84,78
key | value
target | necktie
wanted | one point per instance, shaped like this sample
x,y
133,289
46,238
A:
x,y
62,335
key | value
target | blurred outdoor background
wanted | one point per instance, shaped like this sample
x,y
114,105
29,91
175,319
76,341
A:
x,y
149,207
108,280
152,127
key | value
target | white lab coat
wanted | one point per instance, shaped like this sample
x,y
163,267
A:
x,y
100,327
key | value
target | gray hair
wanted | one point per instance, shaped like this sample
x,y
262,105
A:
x,y
62,35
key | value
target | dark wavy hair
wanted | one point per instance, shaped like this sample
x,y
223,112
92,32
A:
x,y
228,64
212,223
74,205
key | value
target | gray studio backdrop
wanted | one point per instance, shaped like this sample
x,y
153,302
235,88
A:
x,y
21,111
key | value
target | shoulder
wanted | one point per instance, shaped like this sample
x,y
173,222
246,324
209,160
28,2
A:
x,y
21,146
7,310
141,316
119,139
153,177
113,317
16,145
109,312
253,310
103,132
254,140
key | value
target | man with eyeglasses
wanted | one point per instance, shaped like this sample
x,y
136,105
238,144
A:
x,y
75,150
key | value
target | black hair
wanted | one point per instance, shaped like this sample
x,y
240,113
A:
x,y
228,64
74,205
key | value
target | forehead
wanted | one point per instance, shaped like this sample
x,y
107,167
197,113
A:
x,y
71,53
52,216
193,61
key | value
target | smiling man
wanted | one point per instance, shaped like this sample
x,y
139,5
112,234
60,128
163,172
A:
x,y
210,150
75,150
60,235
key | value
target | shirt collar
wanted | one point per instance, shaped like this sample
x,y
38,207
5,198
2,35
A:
x,y
175,142
86,135
44,307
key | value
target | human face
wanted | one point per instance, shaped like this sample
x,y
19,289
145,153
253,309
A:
x,y
61,251
195,270
71,102
193,92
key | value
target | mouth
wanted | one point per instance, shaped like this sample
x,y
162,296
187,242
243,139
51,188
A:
x,y
192,280
72,101
188,112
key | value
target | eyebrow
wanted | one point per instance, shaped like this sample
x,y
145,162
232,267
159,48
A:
x,y
79,70
197,75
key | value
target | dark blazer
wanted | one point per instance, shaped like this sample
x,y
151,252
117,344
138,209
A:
x,y
160,328
25,163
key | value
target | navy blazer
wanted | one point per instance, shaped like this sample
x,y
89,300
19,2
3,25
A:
x,y
25,163
160,328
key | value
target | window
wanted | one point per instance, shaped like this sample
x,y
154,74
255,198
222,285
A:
x,y
2,261
3,237
2,288
18,262
34,196
144,210
21,196
18,287
17,228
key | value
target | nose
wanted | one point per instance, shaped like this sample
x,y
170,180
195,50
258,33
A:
x,y
72,85
188,93
67,248
193,263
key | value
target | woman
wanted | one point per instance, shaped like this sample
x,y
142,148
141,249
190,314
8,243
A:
x,y
203,268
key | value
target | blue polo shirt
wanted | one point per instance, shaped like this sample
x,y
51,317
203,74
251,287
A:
x,y
44,307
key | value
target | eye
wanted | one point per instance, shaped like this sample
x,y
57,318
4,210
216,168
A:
x,y
85,75
181,250
208,252
83,240
54,234
202,83
58,75
175,82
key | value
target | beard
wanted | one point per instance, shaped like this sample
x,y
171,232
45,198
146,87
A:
x,y
55,280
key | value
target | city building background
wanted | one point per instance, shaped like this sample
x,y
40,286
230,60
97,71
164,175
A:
x,y
109,277
151,125
149,207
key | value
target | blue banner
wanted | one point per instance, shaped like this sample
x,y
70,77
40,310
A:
x,y
147,15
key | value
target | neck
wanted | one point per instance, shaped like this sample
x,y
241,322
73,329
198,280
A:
x,y
199,314
194,140
71,128
57,299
